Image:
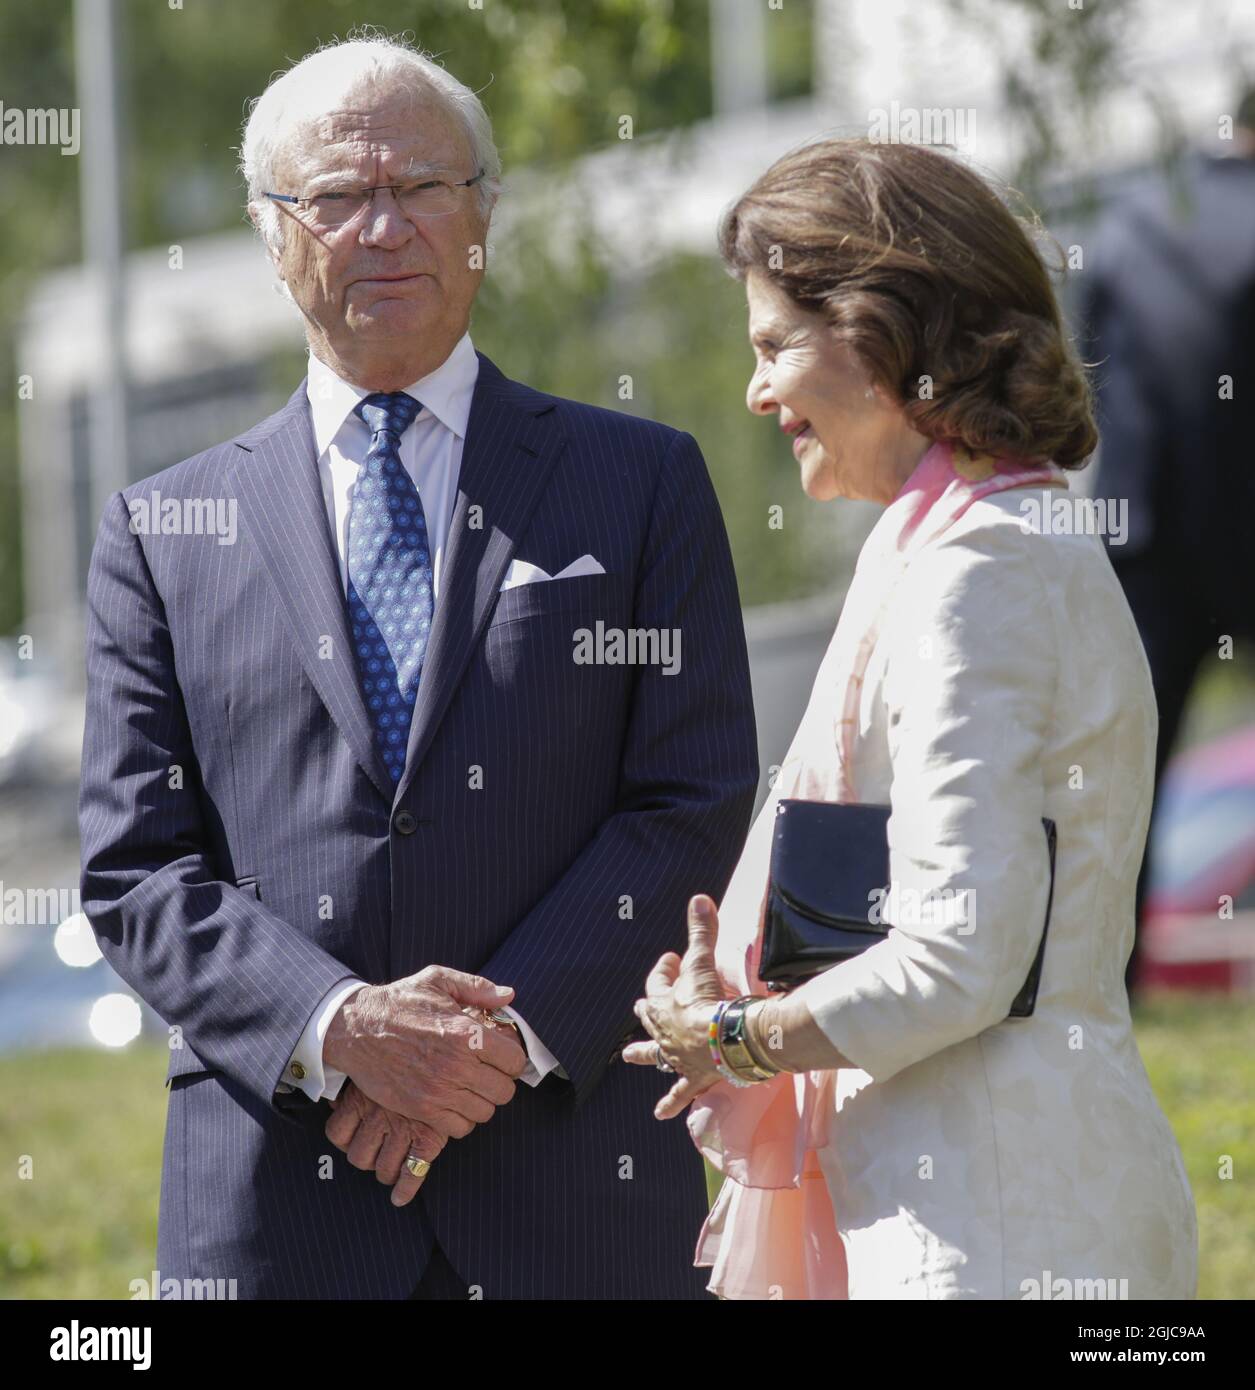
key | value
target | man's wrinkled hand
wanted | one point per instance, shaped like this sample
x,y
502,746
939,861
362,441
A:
x,y
411,1047
379,1141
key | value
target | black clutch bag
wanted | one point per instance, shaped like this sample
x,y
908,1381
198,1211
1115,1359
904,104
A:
x,y
829,865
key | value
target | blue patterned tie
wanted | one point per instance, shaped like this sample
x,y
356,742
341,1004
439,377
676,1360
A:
x,y
390,598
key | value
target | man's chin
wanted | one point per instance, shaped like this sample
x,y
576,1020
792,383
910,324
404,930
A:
x,y
388,315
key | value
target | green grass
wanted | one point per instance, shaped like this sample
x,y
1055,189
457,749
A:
x,y
1200,1053
85,1224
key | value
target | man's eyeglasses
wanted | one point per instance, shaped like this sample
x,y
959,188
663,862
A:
x,y
425,198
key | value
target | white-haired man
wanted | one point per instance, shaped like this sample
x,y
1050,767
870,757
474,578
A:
x,y
418,852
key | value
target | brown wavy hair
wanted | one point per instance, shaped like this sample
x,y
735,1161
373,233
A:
x,y
922,271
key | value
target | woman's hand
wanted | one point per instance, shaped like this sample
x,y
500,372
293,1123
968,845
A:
x,y
680,997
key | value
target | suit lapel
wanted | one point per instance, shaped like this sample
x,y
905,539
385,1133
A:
x,y
507,457
283,509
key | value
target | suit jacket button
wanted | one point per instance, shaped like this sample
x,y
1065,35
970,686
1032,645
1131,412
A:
x,y
405,823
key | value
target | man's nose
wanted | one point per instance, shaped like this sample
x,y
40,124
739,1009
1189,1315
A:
x,y
385,224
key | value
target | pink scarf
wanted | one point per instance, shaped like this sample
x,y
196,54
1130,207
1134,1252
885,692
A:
x,y
772,1232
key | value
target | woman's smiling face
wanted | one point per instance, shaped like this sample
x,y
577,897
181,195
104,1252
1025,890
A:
x,y
849,438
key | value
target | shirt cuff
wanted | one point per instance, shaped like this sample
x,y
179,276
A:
x,y
306,1071
540,1061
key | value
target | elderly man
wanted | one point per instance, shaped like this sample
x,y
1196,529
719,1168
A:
x,y
355,820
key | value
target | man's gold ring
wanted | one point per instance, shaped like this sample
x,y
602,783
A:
x,y
489,1018
419,1167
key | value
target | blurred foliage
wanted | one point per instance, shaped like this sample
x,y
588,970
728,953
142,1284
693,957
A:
x,y
1048,68
1043,62
85,1225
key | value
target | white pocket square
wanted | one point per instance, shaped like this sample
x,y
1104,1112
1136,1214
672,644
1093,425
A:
x,y
520,572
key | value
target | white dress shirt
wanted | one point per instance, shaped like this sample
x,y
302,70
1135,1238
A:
x,y
431,452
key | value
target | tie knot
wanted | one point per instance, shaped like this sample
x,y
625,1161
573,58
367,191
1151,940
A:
x,y
394,411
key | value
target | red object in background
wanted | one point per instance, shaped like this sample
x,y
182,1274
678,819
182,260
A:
x,y
1198,930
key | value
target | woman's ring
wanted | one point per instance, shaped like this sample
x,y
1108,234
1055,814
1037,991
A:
x,y
660,1061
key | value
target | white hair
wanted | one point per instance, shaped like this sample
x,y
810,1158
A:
x,y
307,90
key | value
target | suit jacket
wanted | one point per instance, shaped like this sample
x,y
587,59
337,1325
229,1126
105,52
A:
x,y
243,847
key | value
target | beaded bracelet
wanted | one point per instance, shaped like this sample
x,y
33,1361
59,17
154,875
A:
x,y
716,1051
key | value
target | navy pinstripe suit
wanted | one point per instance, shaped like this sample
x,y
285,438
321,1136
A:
x,y
243,848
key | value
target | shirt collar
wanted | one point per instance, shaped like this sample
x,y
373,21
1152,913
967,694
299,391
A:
x,y
446,393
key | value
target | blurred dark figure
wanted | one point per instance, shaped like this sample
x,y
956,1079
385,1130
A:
x,y
1170,311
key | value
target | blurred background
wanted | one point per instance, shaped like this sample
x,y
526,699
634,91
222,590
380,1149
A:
x,y
139,323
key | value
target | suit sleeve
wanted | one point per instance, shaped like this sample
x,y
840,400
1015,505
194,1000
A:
x,y
969,693
240,982
689,769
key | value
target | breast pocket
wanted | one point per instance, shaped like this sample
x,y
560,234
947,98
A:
x,y
594,594
539,636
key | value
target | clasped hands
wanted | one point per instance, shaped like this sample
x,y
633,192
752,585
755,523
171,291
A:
x,y
422,1070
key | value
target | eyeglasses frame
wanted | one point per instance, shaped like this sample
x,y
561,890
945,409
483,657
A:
x,y
297,200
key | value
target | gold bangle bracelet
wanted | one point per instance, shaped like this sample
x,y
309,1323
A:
x,y
753,1044
734,1045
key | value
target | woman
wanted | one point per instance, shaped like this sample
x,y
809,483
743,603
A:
x,y
911,1140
